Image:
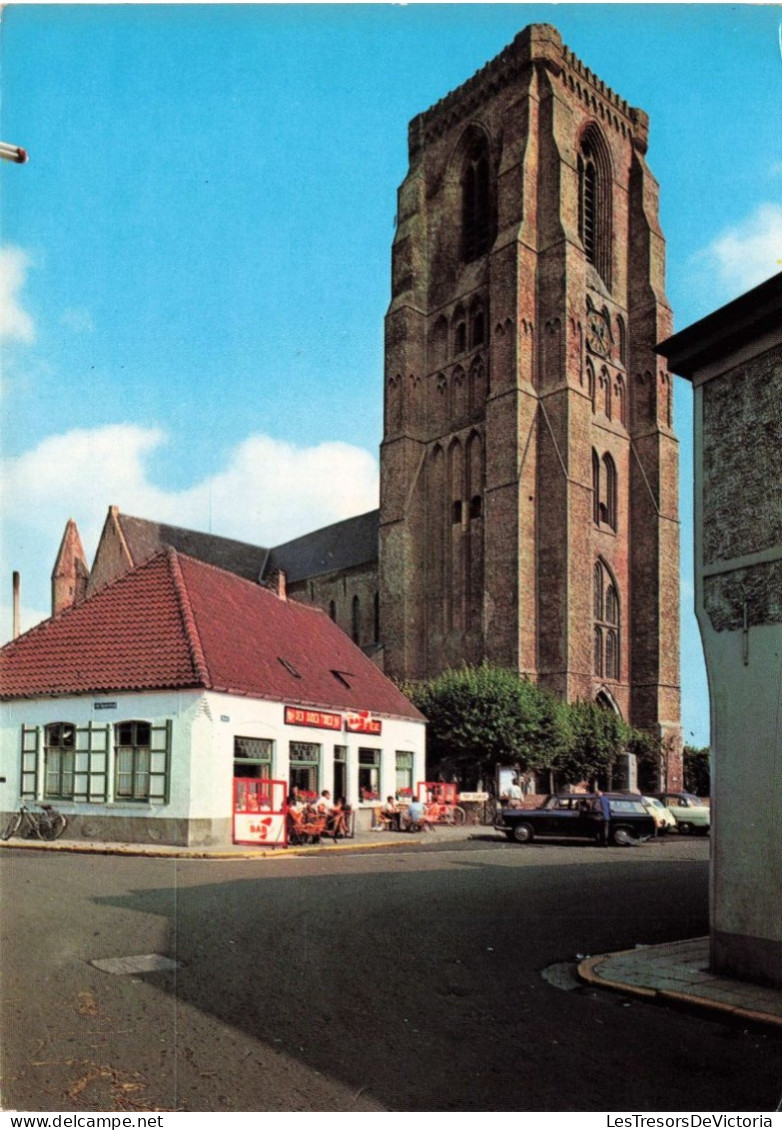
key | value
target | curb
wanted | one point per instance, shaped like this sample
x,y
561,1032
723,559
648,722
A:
x,y
587,971
151,852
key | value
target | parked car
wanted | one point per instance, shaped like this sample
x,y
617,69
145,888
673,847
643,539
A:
x,y
662,816
692,816
578,816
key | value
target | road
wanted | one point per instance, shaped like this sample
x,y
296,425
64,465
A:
x,y
406,980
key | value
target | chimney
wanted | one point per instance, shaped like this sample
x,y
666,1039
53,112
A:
x,y
16,619
278,584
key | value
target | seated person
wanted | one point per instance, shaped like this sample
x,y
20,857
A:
x,y
323,804
415,817
388,815
342,813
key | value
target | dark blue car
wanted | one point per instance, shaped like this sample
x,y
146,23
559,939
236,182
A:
x,y
580,816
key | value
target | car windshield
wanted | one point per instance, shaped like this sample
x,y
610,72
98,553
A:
x,y
653,802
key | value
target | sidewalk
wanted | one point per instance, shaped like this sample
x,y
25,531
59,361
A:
x,y
679,973
360,842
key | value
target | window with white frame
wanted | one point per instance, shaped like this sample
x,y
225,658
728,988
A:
x,y
369,774
141,761
59,750
404,773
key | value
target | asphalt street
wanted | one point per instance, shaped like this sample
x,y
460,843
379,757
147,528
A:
x,y
403,979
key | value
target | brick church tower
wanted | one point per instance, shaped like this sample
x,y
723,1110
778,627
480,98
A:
x,y
528,509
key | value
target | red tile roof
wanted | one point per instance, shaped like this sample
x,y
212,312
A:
x,y
174,622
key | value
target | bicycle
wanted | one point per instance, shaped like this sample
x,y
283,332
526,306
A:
x,y
48,824
448,814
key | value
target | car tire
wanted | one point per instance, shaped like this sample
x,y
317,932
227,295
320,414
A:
x,y
624,836
685,828
523,834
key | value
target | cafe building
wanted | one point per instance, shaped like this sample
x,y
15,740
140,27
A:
x,y
143,712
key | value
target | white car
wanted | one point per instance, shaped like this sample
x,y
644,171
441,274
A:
x,y
663,817
692,815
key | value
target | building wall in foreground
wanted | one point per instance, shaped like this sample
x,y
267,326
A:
x,y
739,603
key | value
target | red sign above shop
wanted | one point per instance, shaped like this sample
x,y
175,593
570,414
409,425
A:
x,y
362,722
319,719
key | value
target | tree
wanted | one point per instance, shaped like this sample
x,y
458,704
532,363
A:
x,y
591,741
481,717
697,770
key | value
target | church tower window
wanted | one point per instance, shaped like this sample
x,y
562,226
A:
x,y
594,201
478,327
607,627
608,506
355,620
476,204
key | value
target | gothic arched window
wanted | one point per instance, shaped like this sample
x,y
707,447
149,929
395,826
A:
x,y
620,397
607,623
459,324
355,620
476,200
591,383
594,201
608,506
477,326
605,387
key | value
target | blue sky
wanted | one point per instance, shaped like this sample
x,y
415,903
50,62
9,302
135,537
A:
x,y
195,260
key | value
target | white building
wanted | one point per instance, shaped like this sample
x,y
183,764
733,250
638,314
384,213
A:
x,y
734,359
134,711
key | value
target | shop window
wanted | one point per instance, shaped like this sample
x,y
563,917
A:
x,y
404,774
369,774
305,767
141,760
340,772
253,757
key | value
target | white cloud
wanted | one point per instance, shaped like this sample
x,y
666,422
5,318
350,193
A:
x,y
15,323
268,492
78,320
749,252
